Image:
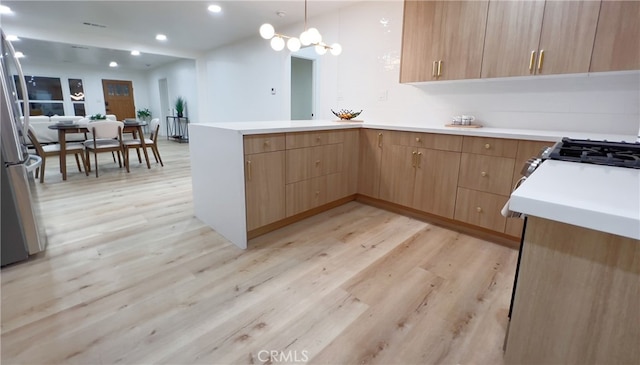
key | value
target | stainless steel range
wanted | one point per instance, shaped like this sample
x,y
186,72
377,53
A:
x,y
619,154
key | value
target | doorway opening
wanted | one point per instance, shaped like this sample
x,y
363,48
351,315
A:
x,y
163,91
302,88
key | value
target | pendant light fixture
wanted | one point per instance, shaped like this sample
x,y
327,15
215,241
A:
x,y
309,37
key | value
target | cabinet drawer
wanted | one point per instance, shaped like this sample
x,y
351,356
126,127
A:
x,y
316,138
486,173
306,163
480,209
446,142
263,143
307,194
490,146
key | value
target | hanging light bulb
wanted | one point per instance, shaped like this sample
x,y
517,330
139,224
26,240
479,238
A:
x,y
321,49
314,35
336,49
267,31
277,43
305,38
293,44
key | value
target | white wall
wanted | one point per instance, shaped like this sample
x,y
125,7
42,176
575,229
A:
x,y
92,82
366,76
181,81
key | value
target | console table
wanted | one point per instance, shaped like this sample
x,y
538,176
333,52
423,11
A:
x,y
177,128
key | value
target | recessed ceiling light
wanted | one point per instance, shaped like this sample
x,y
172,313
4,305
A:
x,y
135,53
12,38
5,10
215,8
113,64
161,37
19,54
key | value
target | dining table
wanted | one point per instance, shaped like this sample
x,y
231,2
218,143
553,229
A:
x,y
68,127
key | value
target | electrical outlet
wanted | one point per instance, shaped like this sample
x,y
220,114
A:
x,y
273,91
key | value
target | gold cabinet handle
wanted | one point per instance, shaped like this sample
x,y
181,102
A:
x,y
317,162
479,210
540,59
267,143
433,69
418,140
380,140
419,158
439,68
413,158
248,170
317,193
532,60
318,139
483,174
487,146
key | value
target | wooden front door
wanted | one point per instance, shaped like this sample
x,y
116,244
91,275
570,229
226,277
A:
x,y
118,98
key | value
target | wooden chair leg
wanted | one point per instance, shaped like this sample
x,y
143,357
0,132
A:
x,y
119,161
77,162
157,152
114,157
138,152
42,167
126,158
84,163
88,160
95,156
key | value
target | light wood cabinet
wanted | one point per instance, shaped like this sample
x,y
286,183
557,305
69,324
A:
x,y
490,146
617,45
264,143
442,40
538,37
369,162
320,168
420,178
486,173
264,188
481,209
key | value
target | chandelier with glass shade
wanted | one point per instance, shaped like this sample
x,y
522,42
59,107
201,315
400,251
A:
x,y
309,37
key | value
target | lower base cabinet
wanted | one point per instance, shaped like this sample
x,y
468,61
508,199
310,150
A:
x,y
308,194
264,188
481,209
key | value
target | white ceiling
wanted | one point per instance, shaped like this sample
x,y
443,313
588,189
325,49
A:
x,y
54,30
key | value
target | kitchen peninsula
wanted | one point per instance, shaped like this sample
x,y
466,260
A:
x,y
253,177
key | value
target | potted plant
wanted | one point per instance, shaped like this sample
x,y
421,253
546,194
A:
x,y
180,103
144,114
97,117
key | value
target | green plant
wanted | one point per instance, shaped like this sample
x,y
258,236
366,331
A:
x,y
180,102
98,117
144,114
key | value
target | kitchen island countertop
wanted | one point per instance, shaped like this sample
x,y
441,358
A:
x,y
602,198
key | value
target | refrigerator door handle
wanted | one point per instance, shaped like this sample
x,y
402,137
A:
x,y
35,161
23,86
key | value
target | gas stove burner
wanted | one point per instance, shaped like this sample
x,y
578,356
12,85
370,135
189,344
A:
x,y
619,154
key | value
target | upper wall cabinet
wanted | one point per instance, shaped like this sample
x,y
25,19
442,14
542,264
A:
x,y
538,37
617,44
442,40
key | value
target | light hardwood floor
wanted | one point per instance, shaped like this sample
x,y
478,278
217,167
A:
x,y
132,277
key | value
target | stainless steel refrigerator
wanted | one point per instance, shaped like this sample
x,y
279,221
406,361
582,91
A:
x,y
21,231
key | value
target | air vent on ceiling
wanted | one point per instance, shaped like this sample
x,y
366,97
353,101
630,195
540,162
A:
x,y
79,47
94,25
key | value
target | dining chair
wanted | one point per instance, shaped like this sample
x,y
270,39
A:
x,y
107,137
45,151
151,142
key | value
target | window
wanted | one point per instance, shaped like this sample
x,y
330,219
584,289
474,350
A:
x,y
45,95
77,96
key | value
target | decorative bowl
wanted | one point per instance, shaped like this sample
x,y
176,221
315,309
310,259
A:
x,y
346,114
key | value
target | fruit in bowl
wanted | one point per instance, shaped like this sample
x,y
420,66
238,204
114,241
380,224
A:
x,y
346,114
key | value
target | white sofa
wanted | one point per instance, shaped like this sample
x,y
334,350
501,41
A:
x,y
40,125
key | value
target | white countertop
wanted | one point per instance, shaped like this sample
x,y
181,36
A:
x,y
247,128
602,198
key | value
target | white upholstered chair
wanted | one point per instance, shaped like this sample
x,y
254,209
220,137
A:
x,y
106,137
151,142
45,151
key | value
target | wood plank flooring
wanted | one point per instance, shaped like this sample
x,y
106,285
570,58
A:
x,y
132,277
